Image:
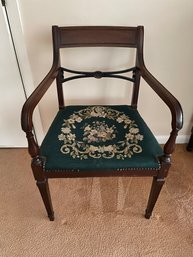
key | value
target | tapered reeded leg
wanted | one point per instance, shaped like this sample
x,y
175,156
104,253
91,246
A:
x,y
155,191
45,193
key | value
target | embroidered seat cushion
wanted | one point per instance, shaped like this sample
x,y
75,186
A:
x,y
99,137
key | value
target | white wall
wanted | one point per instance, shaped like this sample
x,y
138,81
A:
x,y
168,52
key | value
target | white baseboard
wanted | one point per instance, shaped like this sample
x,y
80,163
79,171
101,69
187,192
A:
x,y
181,139
13,146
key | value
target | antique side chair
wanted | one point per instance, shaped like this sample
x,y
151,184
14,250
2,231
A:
x,y
99,140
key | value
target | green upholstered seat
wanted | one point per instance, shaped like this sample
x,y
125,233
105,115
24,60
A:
x,y
100,137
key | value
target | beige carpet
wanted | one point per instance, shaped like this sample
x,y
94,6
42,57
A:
x,y
95,217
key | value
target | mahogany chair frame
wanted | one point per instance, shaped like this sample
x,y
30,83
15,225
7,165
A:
x,y
96,36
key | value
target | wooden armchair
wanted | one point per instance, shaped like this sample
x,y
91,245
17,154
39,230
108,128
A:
x,y
99,141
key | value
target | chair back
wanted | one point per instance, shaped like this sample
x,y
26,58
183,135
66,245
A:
x,y
97,36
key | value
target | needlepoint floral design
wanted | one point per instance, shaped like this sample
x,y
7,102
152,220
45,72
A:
x,y
98,130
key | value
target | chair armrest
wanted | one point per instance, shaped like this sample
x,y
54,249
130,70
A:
x,y
29,106
35,97
171,102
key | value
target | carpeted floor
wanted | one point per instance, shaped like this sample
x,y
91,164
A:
x,y
100,217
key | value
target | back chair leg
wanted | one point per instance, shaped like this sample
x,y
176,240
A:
x,y
190,143
154,193
45,193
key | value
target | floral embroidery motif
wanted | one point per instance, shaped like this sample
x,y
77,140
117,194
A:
x,y
99,132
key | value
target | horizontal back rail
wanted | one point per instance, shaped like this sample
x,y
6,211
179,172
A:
x,y
97,74
96,36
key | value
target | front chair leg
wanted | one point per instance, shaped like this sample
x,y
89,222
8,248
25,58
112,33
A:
x,y
42,183
45,193
155,191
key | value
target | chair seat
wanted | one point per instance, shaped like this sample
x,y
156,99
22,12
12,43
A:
x,y
99,138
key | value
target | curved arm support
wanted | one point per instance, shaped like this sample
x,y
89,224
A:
x,y
171,102
164,94
29,106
